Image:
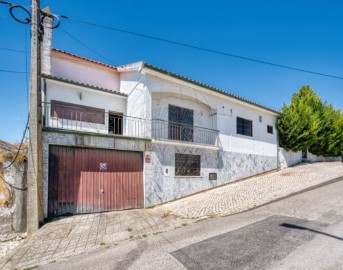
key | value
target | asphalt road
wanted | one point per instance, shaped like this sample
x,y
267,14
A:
x,y
304,231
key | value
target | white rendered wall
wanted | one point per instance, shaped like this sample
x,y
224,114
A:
x,y
133,84
289,158
93,98
218,112
72,68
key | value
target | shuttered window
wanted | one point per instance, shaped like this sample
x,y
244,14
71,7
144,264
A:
x,y
77,112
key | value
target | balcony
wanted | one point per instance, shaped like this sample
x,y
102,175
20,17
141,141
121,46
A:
x,y
165,130
79,118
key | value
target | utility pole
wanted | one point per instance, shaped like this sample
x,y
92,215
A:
x,y
34,177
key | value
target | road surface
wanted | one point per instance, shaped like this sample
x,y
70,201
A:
x,y
304,231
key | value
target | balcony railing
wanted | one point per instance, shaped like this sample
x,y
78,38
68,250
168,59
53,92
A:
x,y
99,121
69,118
165,130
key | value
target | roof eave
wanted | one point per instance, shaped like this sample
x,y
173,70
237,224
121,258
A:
x,y
208,87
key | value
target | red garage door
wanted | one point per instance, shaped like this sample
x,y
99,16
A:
x,y
87,180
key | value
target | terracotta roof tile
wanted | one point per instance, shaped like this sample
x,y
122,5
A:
x,y
82,84
84,58
186,79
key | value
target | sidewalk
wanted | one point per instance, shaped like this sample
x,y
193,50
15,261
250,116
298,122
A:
x,y
247,194
79,234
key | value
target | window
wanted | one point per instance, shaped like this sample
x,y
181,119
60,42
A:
x,y
115,123
270,129
180,126
77,112
244,126
187,165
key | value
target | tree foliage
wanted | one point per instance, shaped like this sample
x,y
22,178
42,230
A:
x,y
309,123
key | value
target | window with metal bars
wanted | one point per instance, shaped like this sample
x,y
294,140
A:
x,y
187,165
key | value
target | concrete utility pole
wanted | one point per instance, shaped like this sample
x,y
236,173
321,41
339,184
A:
x,y
34,177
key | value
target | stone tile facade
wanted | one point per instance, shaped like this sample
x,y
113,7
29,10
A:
x,y
161,186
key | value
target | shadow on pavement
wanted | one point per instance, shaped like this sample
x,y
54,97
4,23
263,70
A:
x,y
292,226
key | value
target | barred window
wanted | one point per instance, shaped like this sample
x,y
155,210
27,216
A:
x,y
244,126
187,165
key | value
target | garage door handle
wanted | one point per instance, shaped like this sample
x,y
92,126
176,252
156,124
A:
x,y
101,190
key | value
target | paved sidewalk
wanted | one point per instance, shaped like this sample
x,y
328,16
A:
x,y
244,195
79,234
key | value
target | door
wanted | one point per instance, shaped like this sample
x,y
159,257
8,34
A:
x,y
87,180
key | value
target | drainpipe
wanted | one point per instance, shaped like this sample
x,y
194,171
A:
x,y
277,151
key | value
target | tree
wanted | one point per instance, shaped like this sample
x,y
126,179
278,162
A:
x,y
308,123
329,141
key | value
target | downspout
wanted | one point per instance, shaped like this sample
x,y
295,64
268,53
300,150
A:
x,y
277,150
45,104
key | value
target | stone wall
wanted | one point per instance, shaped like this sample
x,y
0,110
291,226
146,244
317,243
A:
x,y
162,186
290,158
12,197
314,158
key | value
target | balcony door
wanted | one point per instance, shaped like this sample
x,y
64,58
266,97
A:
x,y
180,125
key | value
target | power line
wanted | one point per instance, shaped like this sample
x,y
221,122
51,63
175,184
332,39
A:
x,y
202,48
21,144
12,50
12,71
86,46
12,186
15,158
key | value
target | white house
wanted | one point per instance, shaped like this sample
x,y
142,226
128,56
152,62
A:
x,y
137,135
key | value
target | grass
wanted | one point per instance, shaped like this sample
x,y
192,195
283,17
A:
x,y
129,229
102,243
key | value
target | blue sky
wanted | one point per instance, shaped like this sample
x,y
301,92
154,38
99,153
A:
x,y
303,34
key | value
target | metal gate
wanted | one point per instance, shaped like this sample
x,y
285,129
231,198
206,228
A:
x,y
86,180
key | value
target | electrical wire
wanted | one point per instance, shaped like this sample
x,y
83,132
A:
x,y
86,46
12,50
12,71
21,144
15,158
201,48
12,186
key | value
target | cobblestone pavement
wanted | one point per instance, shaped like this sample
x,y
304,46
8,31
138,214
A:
x,y
243,195
69,236
78,234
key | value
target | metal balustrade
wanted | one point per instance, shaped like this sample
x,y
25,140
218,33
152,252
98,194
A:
x,y
161,129
69,118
